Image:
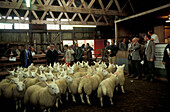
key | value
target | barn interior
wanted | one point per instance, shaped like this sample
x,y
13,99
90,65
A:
x,y
41,23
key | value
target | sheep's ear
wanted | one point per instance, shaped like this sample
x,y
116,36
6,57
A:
x,y
117,66
123,65
47,84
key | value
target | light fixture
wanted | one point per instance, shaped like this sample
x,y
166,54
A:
x,y
28,3
168,21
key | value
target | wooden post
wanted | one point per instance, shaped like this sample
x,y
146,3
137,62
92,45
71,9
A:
x,y
115,32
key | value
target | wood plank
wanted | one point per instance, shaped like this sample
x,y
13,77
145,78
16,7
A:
x,y
91,3
84,4
80,17
44,14
131,6
118,6
101,4
39,2
35,15
87,17
99,19
8,13
70,3
109,4
105,19
16,13
93,18
19,4
37,7
74,16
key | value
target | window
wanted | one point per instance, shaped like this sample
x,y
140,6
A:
x,y
52,27
21,26
66,27
6,26
68,42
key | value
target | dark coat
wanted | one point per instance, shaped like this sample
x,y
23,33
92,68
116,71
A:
x,y
114,50
52,56
8,52
22,57
166,57
78,53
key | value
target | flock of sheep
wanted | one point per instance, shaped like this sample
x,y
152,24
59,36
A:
x,y
43,86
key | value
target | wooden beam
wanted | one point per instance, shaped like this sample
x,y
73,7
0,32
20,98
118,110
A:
x,y
44,14
70,3
84,4
99,19
8,13
60,3
26,14
60,15
16,13
87,17
19,4
131,6
35,15
37,7
91,3
101,4
118,6
74,16
80,17
51,13
144,13
67,16
39,2
109,4
105,19
47,2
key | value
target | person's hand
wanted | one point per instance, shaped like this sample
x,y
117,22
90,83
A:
x,y
11,54
163,63
151,39
169,53
151,60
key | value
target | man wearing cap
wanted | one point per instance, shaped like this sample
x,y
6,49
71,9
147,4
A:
x,y
26,56
52,55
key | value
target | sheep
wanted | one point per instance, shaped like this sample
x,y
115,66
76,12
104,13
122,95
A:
x,y
106,87
111,68
11,72
121,78
13,91
31,81
43,96
73,84
90,83
49,75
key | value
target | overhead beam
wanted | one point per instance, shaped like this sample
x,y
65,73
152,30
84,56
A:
x,y
118,6
37,7
144,13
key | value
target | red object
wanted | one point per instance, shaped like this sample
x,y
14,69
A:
x,y
98,44
66,63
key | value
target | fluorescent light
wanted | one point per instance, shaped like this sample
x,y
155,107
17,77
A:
x,y
167,21
28,3
88,26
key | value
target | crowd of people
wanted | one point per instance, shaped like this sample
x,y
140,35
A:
x,y
140,59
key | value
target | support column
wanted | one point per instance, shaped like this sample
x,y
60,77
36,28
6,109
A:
x,y
116,33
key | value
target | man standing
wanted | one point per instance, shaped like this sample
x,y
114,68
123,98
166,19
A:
x,y
26,57
149,58
112,52
52,55
122,45
10,52
166,60
18,50
136,59
78,53
154,37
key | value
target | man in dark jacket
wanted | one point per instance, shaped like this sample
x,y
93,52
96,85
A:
x,y
78,53
10,52
52,55
166,60
26,57
112,51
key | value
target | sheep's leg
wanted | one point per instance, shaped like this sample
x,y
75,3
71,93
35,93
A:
x,y
49,110
111,101
20,103
16,105
67,96
101,101
88,100
56,103
74,100
81,96
122,89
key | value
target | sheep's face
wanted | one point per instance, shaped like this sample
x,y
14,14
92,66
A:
x,y
62,74
104,65
121,67
50,76
33,74
41,68
81,65
53,88
20,86
26,74
14,80
69,79
70,71
105,72
42,78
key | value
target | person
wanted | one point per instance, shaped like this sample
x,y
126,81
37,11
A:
x,y
166,60
78,53
136,59
52,55
149,54
154,37
112,52
122,45
42,51
67,55
33,52
130,70
88,49
48,47
72,54
26,56
10,52
18,50
107,45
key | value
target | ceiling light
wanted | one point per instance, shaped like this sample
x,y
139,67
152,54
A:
x,y
168,21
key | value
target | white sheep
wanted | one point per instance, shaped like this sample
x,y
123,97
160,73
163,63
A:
x,y
90,83
106,87
44,97
111,68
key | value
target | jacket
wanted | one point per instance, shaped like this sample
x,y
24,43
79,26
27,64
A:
x,y
113,49
8,52
78,53
150,51
166,57
135,50
22,57
68,56
52,56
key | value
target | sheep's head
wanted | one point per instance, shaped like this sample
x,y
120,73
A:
x,y
53,88
41,68
12,72
50,76
70,71
68,78
42,77
62,74
120,67
104,65
20,86
104,72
